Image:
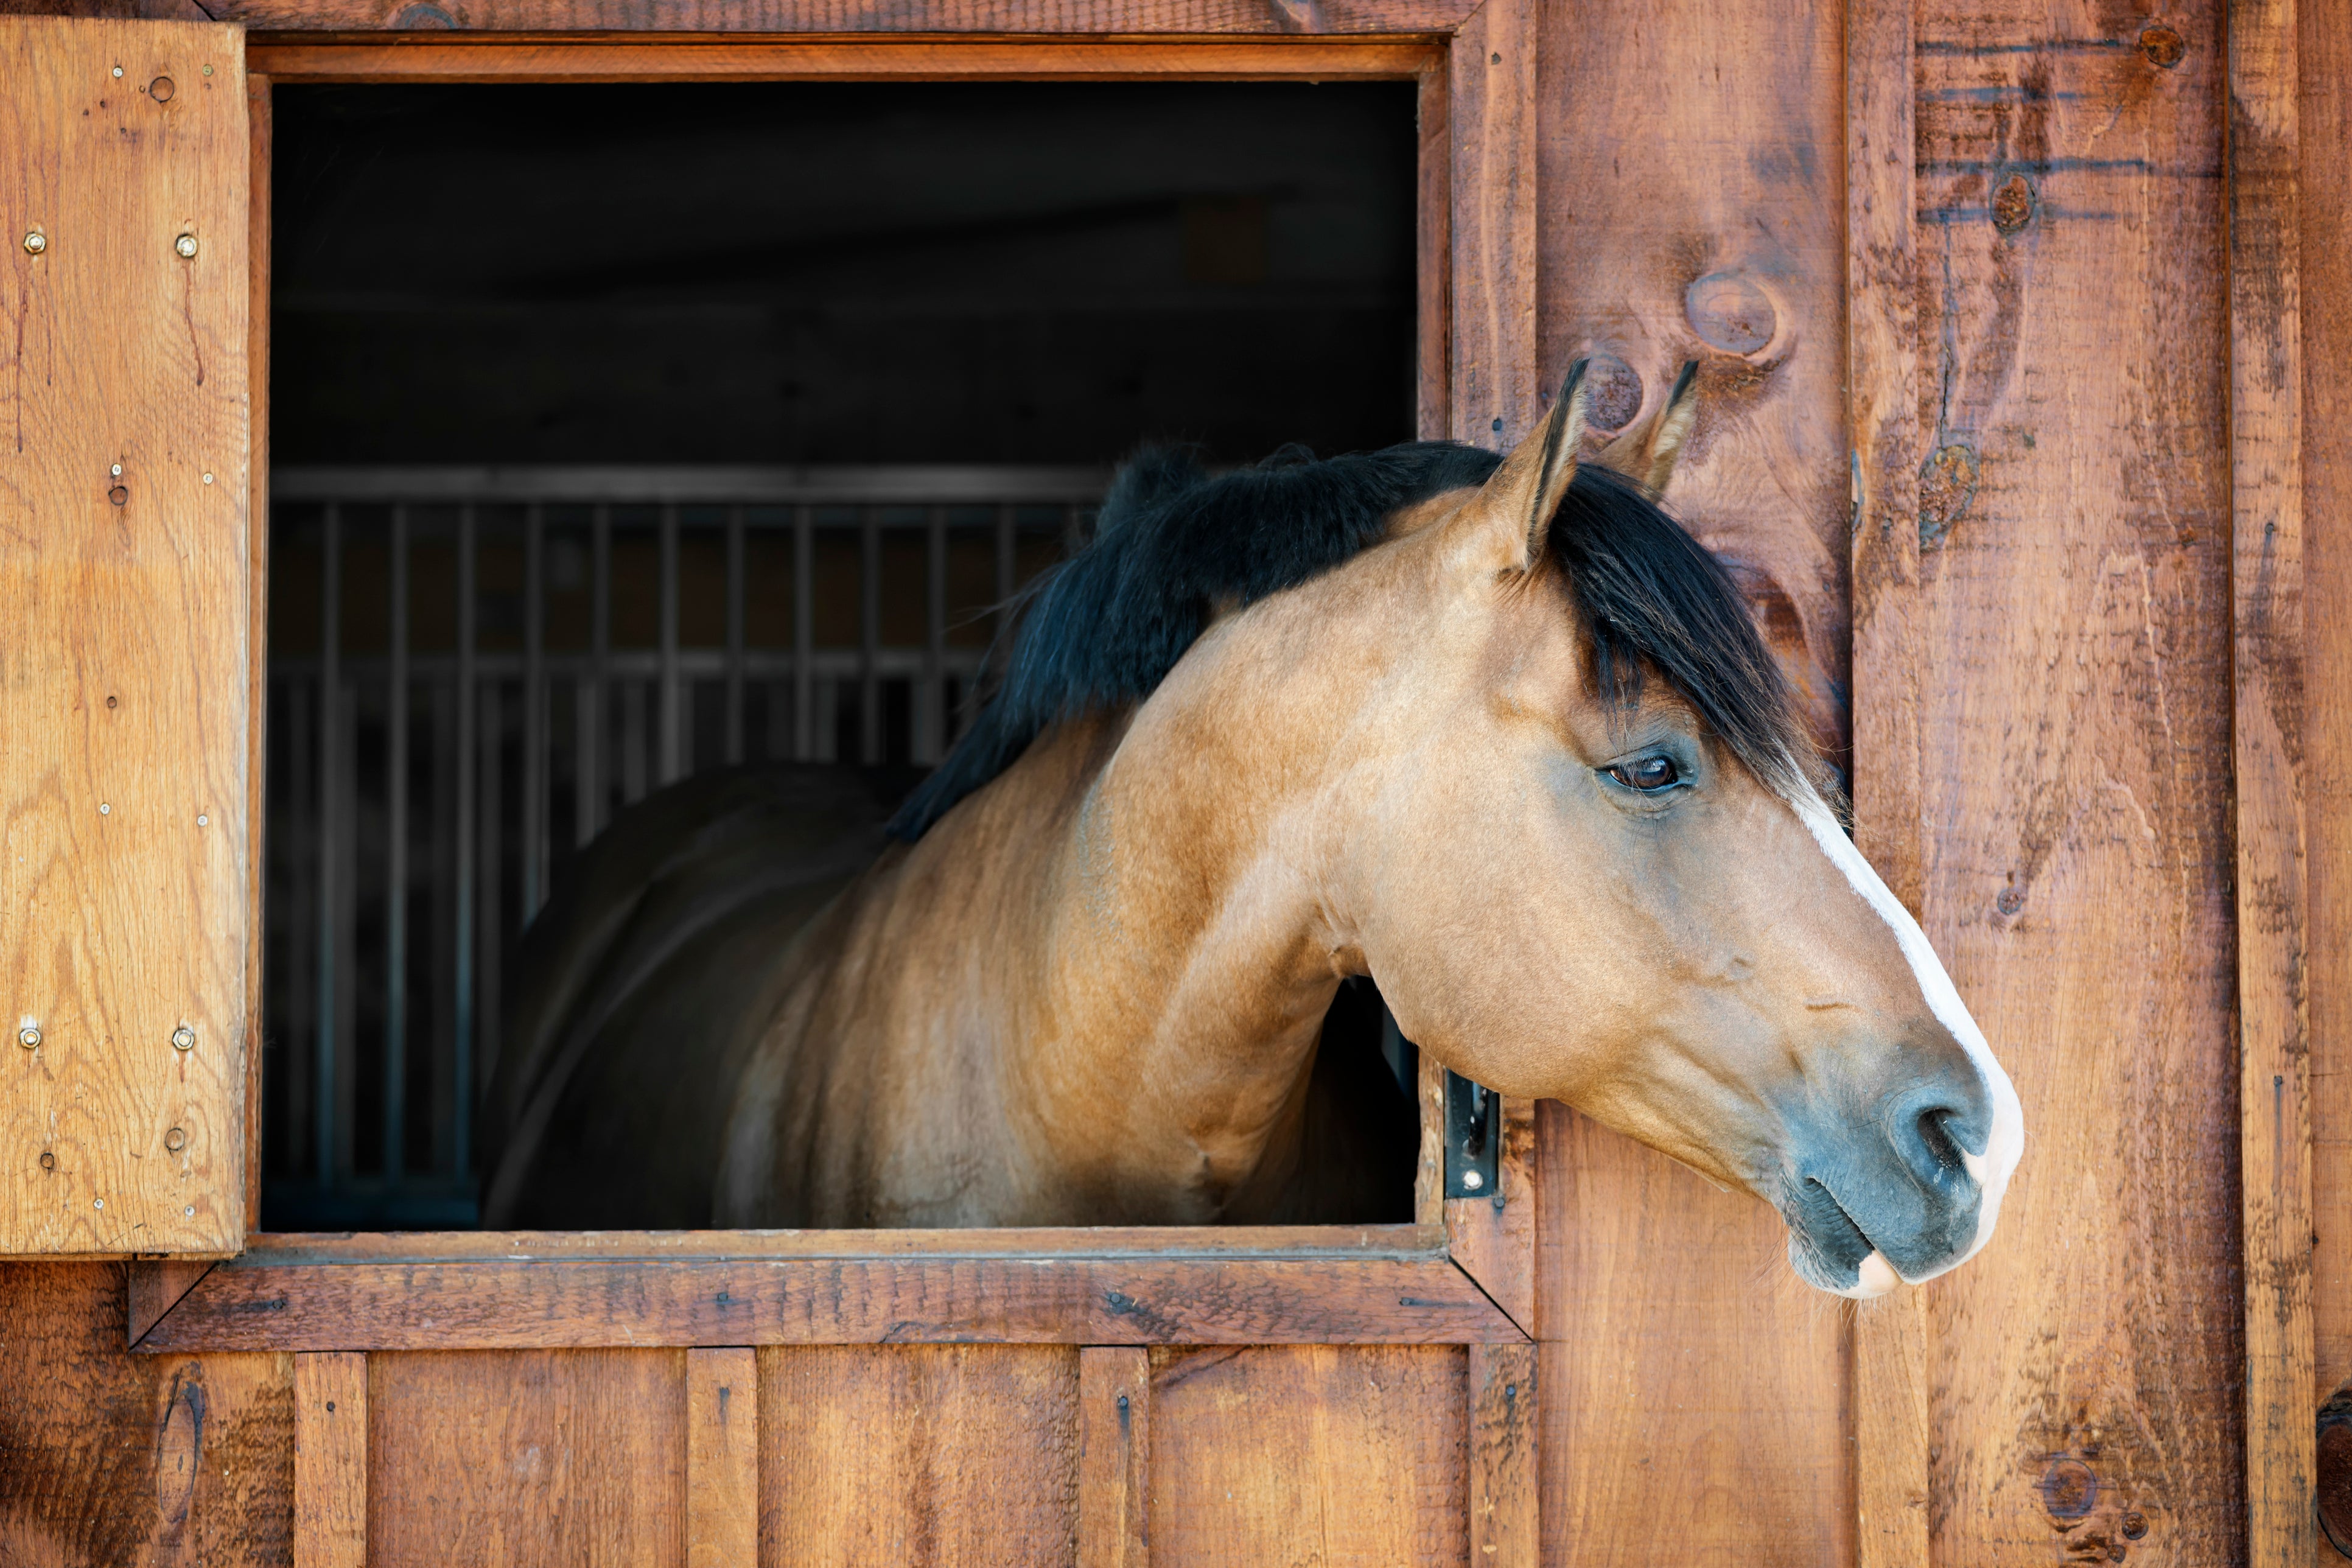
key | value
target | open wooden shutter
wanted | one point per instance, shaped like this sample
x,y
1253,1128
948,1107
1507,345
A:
x,y
126,444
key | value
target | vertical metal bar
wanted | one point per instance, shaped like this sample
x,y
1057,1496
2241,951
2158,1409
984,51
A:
x,y
395,882
301,955
670,730
534,709
931,711
736,566
592,698
804,637
869,635
461,1045
632,738
331,832
1005,561
488,998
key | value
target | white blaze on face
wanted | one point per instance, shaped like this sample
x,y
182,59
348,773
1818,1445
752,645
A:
x,y
1991,1166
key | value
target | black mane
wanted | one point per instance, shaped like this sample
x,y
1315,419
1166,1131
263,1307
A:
x,y
1102,629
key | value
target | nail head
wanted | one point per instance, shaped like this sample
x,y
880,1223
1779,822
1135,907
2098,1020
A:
x,y
29,1036
118,71
176,1138
1473,1179
208,71
185,245
100,1203
203,821
104,809
189,1211
48,1160
208,478
116,470
183,1038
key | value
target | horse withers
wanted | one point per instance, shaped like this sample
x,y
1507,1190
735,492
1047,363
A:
x,y
1497,734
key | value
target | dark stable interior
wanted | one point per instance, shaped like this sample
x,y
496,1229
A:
x,y
992,275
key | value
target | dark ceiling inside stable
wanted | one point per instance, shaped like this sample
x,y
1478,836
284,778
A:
x,y
784,273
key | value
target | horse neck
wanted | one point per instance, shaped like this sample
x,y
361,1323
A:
x,y
1187,958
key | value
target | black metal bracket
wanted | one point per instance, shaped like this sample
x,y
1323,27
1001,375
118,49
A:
x,y
1473,1139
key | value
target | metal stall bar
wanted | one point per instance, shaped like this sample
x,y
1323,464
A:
x,y
804,635
534,709
461,1043
932,706
736,567
869,636
331,834
395,881
589,788
672,730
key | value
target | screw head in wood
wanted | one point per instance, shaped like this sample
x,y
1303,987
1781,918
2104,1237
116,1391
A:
x,y
176,1138
185,245
48,1160
116,470
208,478
1473,1179
29,1036
117,71
36,242
183,1038
204,822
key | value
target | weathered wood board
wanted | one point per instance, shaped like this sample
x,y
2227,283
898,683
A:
x,y
125,893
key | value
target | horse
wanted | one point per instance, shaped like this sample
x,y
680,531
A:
x,y
1494,733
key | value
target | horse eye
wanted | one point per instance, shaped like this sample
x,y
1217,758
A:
x,y
1649,775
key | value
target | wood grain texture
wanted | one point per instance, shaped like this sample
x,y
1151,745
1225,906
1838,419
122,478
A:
x,y
1491,115
2266,621
1494,1238
443,58
1321,1454
528,1458
2075,382
260,128
722,1457
2326,133
1432,239
1095,18
1114,1456
937,1454
1889,1416
1693,1400
110,1457
259,1302
330,1461
1505,1496
1692,157
1694,161
154,1287
127,676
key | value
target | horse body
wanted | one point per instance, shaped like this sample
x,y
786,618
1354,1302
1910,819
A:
x,y
1091,990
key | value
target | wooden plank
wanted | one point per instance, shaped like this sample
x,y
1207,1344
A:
x,y
1506,1502
1491,114
2076,377
1433,274
259,129
2326,133
1113,1456
722,1457
1308,1454
109,1458
330,1461
256,1305
1889,1417
1204,1242
522,1459
155,1287
1693,157
2266,622
1659,1370
414,56
944,1455
1494,1238
123,919
857,17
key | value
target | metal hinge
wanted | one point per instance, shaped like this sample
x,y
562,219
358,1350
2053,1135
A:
x,y
1473,1138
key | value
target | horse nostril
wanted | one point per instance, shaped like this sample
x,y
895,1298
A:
x,y
1937,1138
1929,1146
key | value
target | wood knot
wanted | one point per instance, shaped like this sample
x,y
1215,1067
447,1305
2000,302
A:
x,y
1730,312
2014,204
1613,393
2163,46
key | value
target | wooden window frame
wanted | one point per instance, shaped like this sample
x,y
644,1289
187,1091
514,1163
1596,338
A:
x,y
1463,1273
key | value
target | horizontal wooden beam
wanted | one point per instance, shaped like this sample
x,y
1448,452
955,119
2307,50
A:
x,y
1102,18
809,1289
455,56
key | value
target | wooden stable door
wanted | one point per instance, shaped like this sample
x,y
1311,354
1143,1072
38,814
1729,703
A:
x,y
127,592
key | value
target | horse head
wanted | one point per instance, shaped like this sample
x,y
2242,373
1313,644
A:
x,y
1591,859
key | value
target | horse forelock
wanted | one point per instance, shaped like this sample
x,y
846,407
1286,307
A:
x,y
1172,545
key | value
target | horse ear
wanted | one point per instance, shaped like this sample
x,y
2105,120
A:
x,y
1648,457
1515,508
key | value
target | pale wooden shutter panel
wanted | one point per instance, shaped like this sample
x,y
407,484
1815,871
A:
x,y
125,902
